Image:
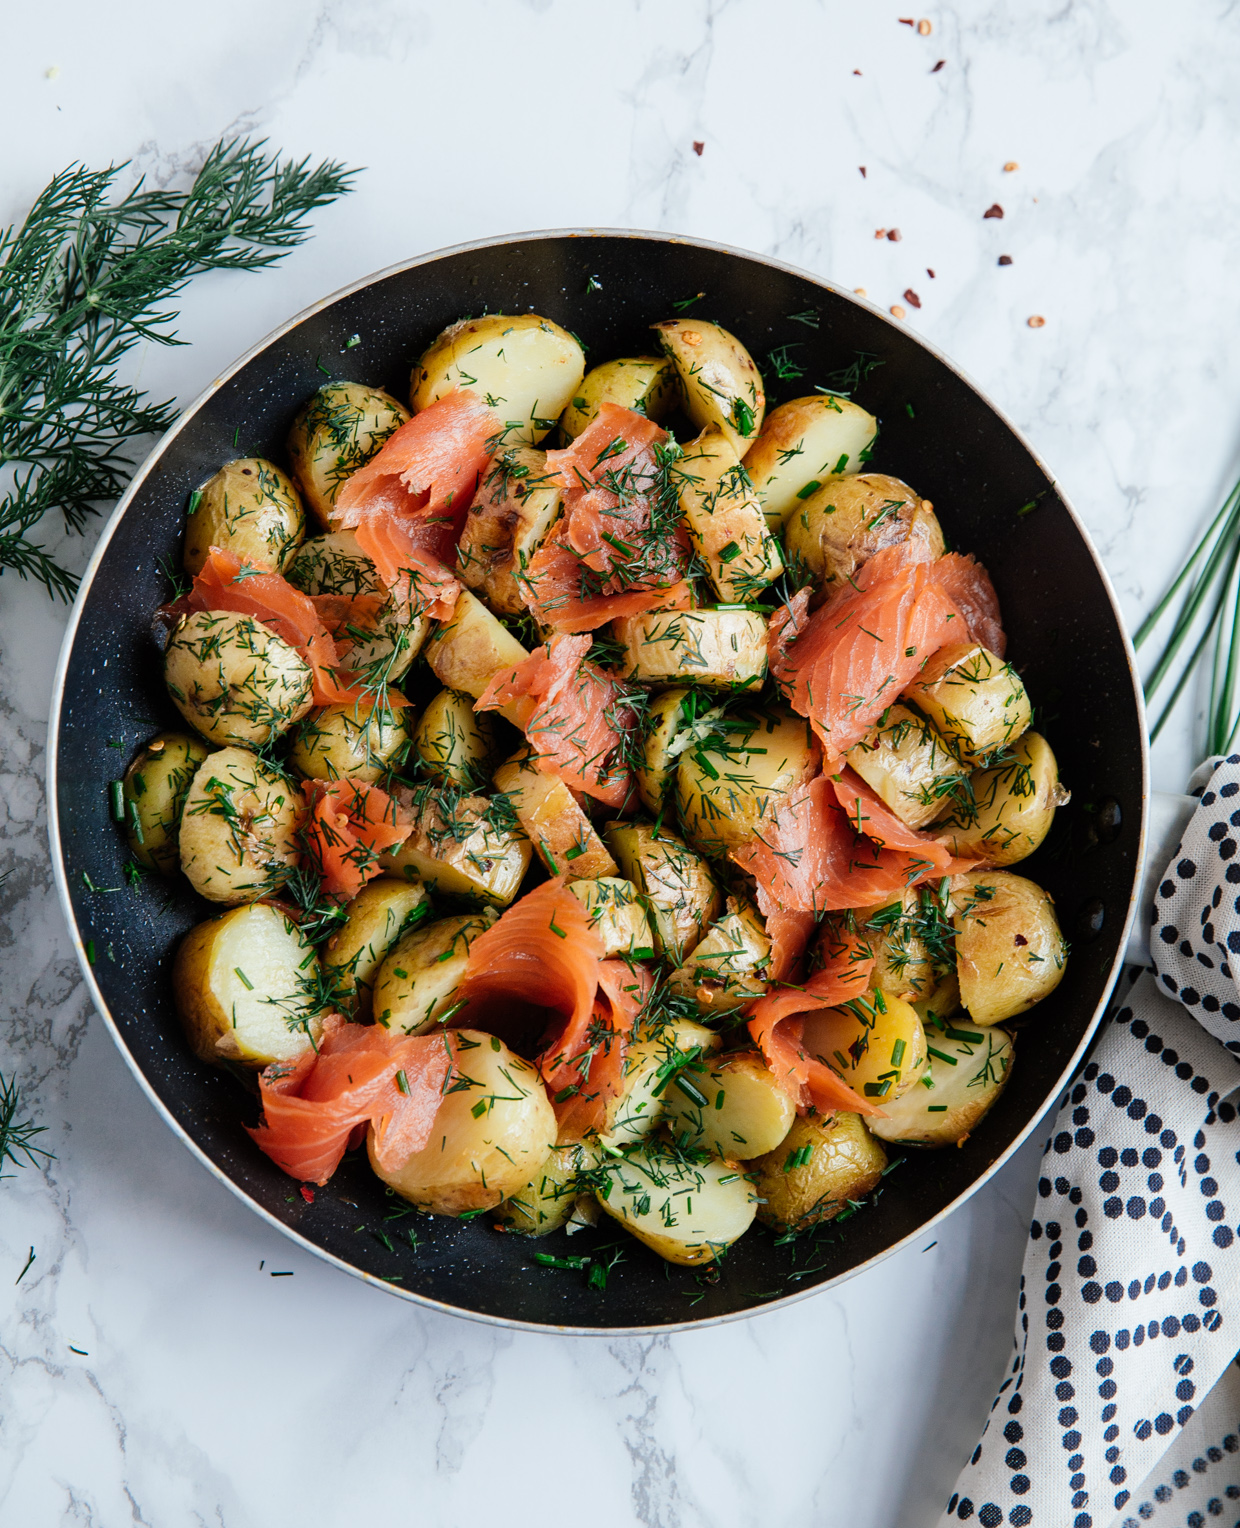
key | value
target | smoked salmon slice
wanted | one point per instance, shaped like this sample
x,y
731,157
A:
x,y
360,1075
576,717
407,505
967,584
348,826
583,1080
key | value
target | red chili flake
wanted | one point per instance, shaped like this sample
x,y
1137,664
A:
x,y
307,1193
856,71
907,21
894,235
993,211
861,167
698,147
1005,259
929,273
912,298
1019,939
938,66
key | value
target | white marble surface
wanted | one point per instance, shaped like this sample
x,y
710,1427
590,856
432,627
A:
x,y
207,1393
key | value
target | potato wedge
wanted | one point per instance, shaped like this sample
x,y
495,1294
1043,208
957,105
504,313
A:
x,y
243,988
357,740
730,1105
1010,953
477,1158
910,767
462,846
664,722
238,839
514,508
466,652
651,1066
153,794
551,819
719,649
729,964
800,445
454,743
250,508
378,916
821,1167
687,1212
724,518
876,1044
1009,808
726,791
546,1202
617,916
849,518
523,366
975,700
677,884
415,986
338,431
234,680
646,384
719,381
966,1076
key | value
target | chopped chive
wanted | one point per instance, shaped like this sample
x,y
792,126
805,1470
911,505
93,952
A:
x,y
939,1055
555,929
249,985
195,499
810,488
117,794
897,1052
960,1034
353,339
574,852
479,1109
402,1082
90,952
730,552
936,1108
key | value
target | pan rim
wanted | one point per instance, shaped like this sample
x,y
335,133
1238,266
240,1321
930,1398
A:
x,y
60,874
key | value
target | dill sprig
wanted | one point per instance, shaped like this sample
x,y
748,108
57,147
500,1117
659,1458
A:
x,y
17,1136
83,280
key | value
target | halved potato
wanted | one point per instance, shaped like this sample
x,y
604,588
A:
x,y
719,649
547,1200
820,1169
730,1105
415,986
894,931
1010,807
720,383
338,431
849,518
975,699
687,1212
234,680
250,508
238,839
728,967
552,821
153,794
652,1065
494,1129
646,384
677,884
616,916
664,722
968,1071
728,790
876,1044
910,767
377,917
800,445
354,740
724,519
462,846
514,508
454,743
243,985
1010,953
466,652
524,367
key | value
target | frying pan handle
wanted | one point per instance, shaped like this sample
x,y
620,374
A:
x,y
1168,817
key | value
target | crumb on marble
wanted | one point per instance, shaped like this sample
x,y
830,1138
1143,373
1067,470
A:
x,y
52,73
861,167
924,28
880,233
860,292
993,211
912,298
1010,166
938,66
929,273
857,71
1005,259
698,146
1036,321
894,235
907,21
896,310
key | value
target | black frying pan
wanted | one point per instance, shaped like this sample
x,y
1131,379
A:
x,y
938,432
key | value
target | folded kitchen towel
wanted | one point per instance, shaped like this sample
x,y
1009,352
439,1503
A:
x,y
1122,1402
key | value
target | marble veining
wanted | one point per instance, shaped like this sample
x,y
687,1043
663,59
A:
x,y
206,1392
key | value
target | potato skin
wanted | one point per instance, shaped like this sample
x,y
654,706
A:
x,y
910,766
377,917
555,825
513,510
1010,953
234,680
728,967
249,507
338,431
877,1044
460,849
975,700
617,916
473,1162
354,740
720,383
725,520
1013,806
238,839
843,1162
647,384
546,1202
724,799
740,1111
643,1101
466,652
455,743
963,1089
842,524
676,882
712,649
802,443
154,791
416,984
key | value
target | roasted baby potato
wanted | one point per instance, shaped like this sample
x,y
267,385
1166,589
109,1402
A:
x,y
338,431
552,821
514,508
616,916
377,917
238,839
726,792
461,847
968,1070
849,518
909,766
800,445
646,384
720,649
719,381
724,519
651,1065
477,1157
243,984
1009,808
355,740
453,742
904,965
664,723
686,1212
1010,953
729,964
234,680
820,1167
153,795
415,986
677,884
547,1200
975,700
466,652
876,1043
250,508
730,1105
524,367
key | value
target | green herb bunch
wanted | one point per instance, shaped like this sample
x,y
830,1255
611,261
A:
x,y
83,280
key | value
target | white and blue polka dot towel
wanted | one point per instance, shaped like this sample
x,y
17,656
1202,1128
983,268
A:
x,y
1121,1407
